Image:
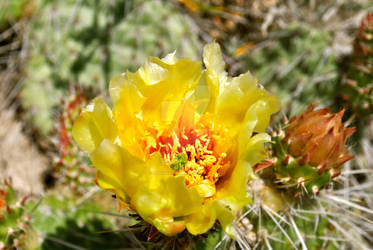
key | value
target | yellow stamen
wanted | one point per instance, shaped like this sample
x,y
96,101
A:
x,y
201,163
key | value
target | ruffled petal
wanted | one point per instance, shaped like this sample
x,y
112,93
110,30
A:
x,y
119,170
216,76
110,162
225,216
109,183
236,96
256,120
163,83
107,158
165,207
165,201
230,98
115,87
265,104
201,94
255,151
148,175
164,97
153,208
153,175
94,124
182,200
232,190
149,204
168,226
201,221
152,95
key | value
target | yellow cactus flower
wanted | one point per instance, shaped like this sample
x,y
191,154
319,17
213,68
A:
x,y
179,145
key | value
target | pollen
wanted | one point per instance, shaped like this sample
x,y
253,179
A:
x,y
192,152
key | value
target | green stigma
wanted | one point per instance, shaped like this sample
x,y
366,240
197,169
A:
x,y
180,161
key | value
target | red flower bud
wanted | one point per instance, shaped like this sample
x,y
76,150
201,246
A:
x,y
319,137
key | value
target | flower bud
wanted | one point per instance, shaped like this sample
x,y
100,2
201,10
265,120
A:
x,y
318,137
309,152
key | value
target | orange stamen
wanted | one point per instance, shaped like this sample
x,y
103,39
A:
x,y
204,163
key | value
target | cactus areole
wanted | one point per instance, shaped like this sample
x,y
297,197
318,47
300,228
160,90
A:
x,y
307,155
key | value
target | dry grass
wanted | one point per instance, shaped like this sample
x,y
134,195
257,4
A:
x,y
19,157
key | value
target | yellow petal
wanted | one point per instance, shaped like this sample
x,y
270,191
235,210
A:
x,y
169,228
256,119
115,87
94,124
265,104
164,83
148,204
173,83
108,160
235,98
247,128
225,217
148,175
255,151
126,108
109,183
165,205
155,172
117,169
182,200
152,73
206,189
215,72
232,191
201,221
170,58
230,98
201,94
129,103
214,62
151,95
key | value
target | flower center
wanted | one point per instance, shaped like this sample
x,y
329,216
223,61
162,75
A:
x,y
197,152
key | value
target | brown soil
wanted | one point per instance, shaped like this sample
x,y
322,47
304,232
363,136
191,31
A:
x,y
19,157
